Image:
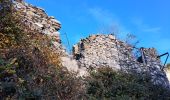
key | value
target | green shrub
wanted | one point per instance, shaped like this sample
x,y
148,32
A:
x,y
31,69
106,84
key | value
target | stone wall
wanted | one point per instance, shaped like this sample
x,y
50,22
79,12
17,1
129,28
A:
x,y
107,51
96,50
167,73
36,20
89,52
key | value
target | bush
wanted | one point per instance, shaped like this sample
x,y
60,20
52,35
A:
x,y
31,69
29,66
106,84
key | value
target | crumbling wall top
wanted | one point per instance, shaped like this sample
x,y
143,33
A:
x,y
108,51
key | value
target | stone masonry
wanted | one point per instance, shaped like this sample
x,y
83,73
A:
x,y
37,20
96,50
107,51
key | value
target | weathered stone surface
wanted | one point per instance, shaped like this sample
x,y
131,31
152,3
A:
x,y
72,65
96,50
37,19
107,51
167,71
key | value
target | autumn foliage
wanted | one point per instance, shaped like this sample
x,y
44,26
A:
x,y
29,67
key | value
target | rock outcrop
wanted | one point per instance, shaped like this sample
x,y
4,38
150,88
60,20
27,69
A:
x,y
107,51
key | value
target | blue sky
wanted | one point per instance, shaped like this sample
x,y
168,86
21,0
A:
x,y
148,20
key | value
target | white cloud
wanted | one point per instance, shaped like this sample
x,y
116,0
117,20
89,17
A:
x,y
108,22
102,16
152,29
144,27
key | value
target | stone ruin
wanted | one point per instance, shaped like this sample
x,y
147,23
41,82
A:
x,y
107,51
96,50
37,20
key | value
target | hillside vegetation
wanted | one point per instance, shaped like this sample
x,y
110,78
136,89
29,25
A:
x,y
31,70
